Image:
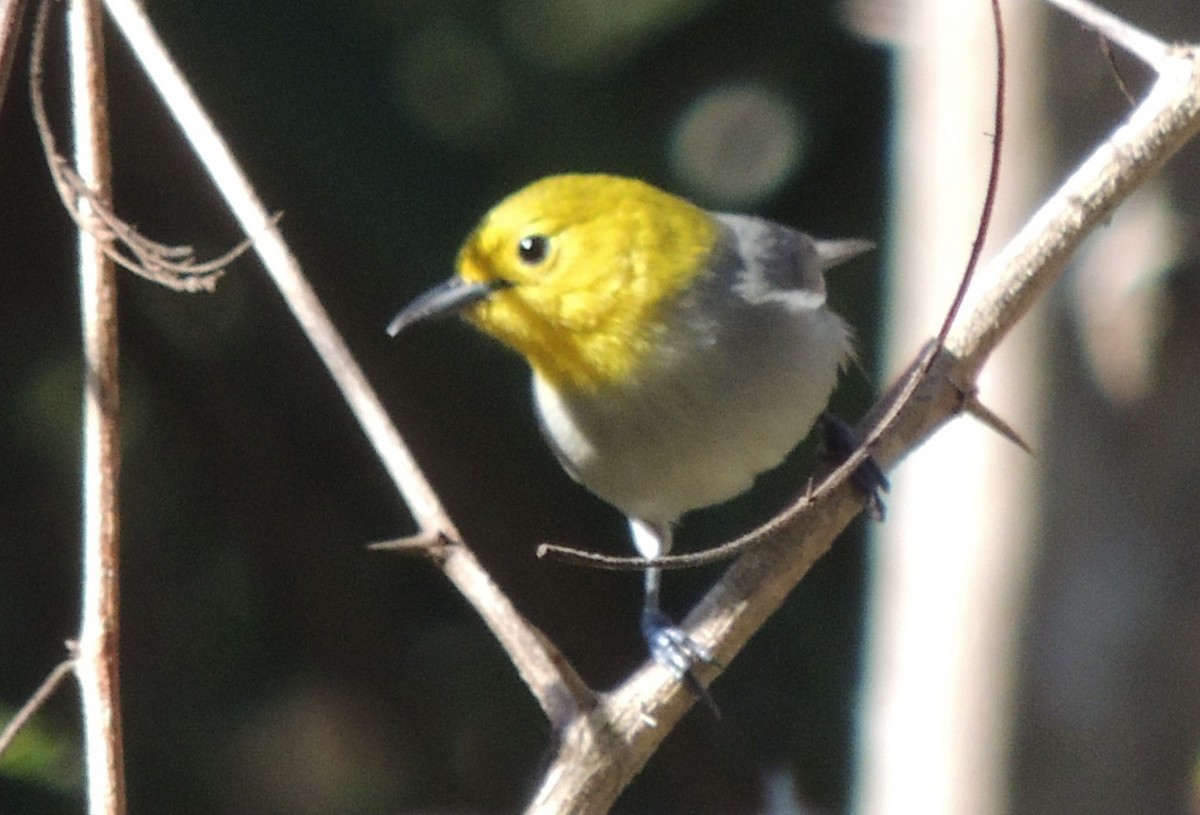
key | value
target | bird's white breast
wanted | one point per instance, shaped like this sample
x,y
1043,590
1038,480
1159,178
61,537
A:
x,y
734,385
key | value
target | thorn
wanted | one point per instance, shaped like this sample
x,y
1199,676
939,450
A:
x,y
983,413
702,693
422,543
648,718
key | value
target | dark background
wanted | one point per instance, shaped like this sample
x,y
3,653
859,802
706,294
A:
x,y
271,663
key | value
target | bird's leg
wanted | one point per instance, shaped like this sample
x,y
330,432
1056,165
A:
x,y
840,442
668,643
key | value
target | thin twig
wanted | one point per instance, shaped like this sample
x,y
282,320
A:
x,y
1166,120
12,12
175,267
550,678
993,186
34,703
1146,47
97,659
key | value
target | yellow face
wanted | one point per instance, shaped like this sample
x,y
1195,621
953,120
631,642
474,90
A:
x,y
585,263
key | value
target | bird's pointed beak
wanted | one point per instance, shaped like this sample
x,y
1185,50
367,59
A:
x,y
443,300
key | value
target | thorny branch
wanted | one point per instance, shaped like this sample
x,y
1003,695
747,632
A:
x,y
604,740
602,752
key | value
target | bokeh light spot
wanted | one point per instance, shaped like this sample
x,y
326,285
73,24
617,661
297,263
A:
x,y
591,34
736,144
453,85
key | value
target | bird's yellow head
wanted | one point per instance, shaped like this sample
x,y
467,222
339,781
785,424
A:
x,y
573,270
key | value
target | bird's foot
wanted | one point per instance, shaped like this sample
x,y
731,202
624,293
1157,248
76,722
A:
x,y
840,442
671,646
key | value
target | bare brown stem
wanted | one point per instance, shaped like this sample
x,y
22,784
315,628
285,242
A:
x,y
97,659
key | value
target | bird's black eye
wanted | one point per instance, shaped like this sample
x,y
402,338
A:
x,y
532,249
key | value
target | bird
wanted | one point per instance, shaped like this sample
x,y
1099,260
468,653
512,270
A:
x,y
676,353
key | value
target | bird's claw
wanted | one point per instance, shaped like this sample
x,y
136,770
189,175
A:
x,y
840,442
671,647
